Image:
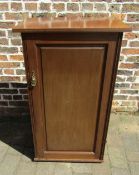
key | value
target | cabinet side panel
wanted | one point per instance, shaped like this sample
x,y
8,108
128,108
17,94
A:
x,y
27,69
107,94
33,66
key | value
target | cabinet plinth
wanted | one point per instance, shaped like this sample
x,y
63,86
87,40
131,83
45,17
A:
x,y
71,68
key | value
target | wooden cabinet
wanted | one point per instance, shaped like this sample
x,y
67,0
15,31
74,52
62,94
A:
x,y
71,68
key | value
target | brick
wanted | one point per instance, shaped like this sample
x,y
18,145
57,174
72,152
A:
x,y
135,26
7,97
45,6
124,72
6,24
3,103
23,91
17,97
129,91
24,79
9,64
1,16
8,91
9,78
96,15
114,7
131,79
14,111
59,7
133,98
4,85
19,85
130,8
130,51
128,58
134,59
16,6
3,57
122,58
100,0
122,85
16,57
123,0
8,49
135,86
18,103
100,7
12,34
129,65
72,6
21,49
31,6
3,41
87,6
120,97
125,108
20,71
9,71
134,44
3,6
16,42
25,97
132,17
2,33
51,14
61,0
16,16
128,103
124,43
129,35
120,79
137,73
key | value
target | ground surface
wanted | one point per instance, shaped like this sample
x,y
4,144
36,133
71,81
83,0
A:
x,y
121,154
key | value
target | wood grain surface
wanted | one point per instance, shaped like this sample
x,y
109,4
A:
x,y
66,24
71,81
75,63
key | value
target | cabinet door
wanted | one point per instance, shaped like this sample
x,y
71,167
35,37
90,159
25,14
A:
x,y
70,102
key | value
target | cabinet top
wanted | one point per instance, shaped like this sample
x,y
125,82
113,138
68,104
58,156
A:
x,y
73,24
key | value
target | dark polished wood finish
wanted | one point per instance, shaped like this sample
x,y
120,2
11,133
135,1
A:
x,y
74,71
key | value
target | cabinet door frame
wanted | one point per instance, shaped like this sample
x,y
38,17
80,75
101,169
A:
x,y
31,46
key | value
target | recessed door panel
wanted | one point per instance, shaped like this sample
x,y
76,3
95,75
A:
x,y
72,78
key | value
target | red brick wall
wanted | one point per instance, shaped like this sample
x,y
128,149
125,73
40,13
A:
x,y
12,98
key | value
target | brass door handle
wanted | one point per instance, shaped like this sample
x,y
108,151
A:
x,y
33,79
